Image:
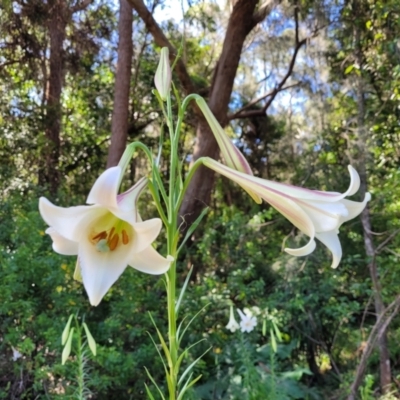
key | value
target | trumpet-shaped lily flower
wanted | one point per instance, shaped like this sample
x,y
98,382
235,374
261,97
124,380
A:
x,y
233,326
316,213
247,321
107,235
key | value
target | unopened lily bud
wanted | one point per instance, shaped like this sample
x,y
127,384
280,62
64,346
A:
x,y
162,78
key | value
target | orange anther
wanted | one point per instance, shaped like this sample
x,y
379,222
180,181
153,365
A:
x,y
125,237
110,235
113,242
99,236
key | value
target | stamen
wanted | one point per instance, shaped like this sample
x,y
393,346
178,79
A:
x,y
113,242
125,237
110,235
99,236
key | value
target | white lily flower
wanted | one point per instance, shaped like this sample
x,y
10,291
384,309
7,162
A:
x,y
233,326
316,213
247,321
107,235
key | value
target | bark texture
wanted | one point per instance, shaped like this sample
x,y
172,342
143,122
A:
x,y
59,15
362,151
240,24
49,175
120,116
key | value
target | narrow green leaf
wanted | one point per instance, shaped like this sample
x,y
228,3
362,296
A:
x,y
65,333
67,348
186,351
188,385
193,227
91,341
154,383
264,327
277,331
188,369
190,322
273,341
180,327
151,397
163,344
159,353
178,303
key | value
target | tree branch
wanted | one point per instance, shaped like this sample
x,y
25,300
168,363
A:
x,y
264,11
278,88
161,40
80,6
377,331
241,114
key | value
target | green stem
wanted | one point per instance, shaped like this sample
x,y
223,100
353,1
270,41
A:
x,y
189,176
81,383
171,238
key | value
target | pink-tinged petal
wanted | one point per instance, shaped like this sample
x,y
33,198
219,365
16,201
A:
x,y
150,261
232,156
100,270
127,203
317,195
144,234
67,221
254,184
280,201
105,189
331,241
61,245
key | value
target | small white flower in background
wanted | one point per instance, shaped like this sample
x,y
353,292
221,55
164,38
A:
x,y
248,321
232,324
16,354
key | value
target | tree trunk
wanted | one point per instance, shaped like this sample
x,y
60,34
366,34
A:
x,y
120,116
49,175
240,24
384,356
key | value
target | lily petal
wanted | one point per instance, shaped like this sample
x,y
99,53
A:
x,y
354,207
100,270
256,184
61,245
66,220
105,189
127,203
150,261
232,156
332,242
144,234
